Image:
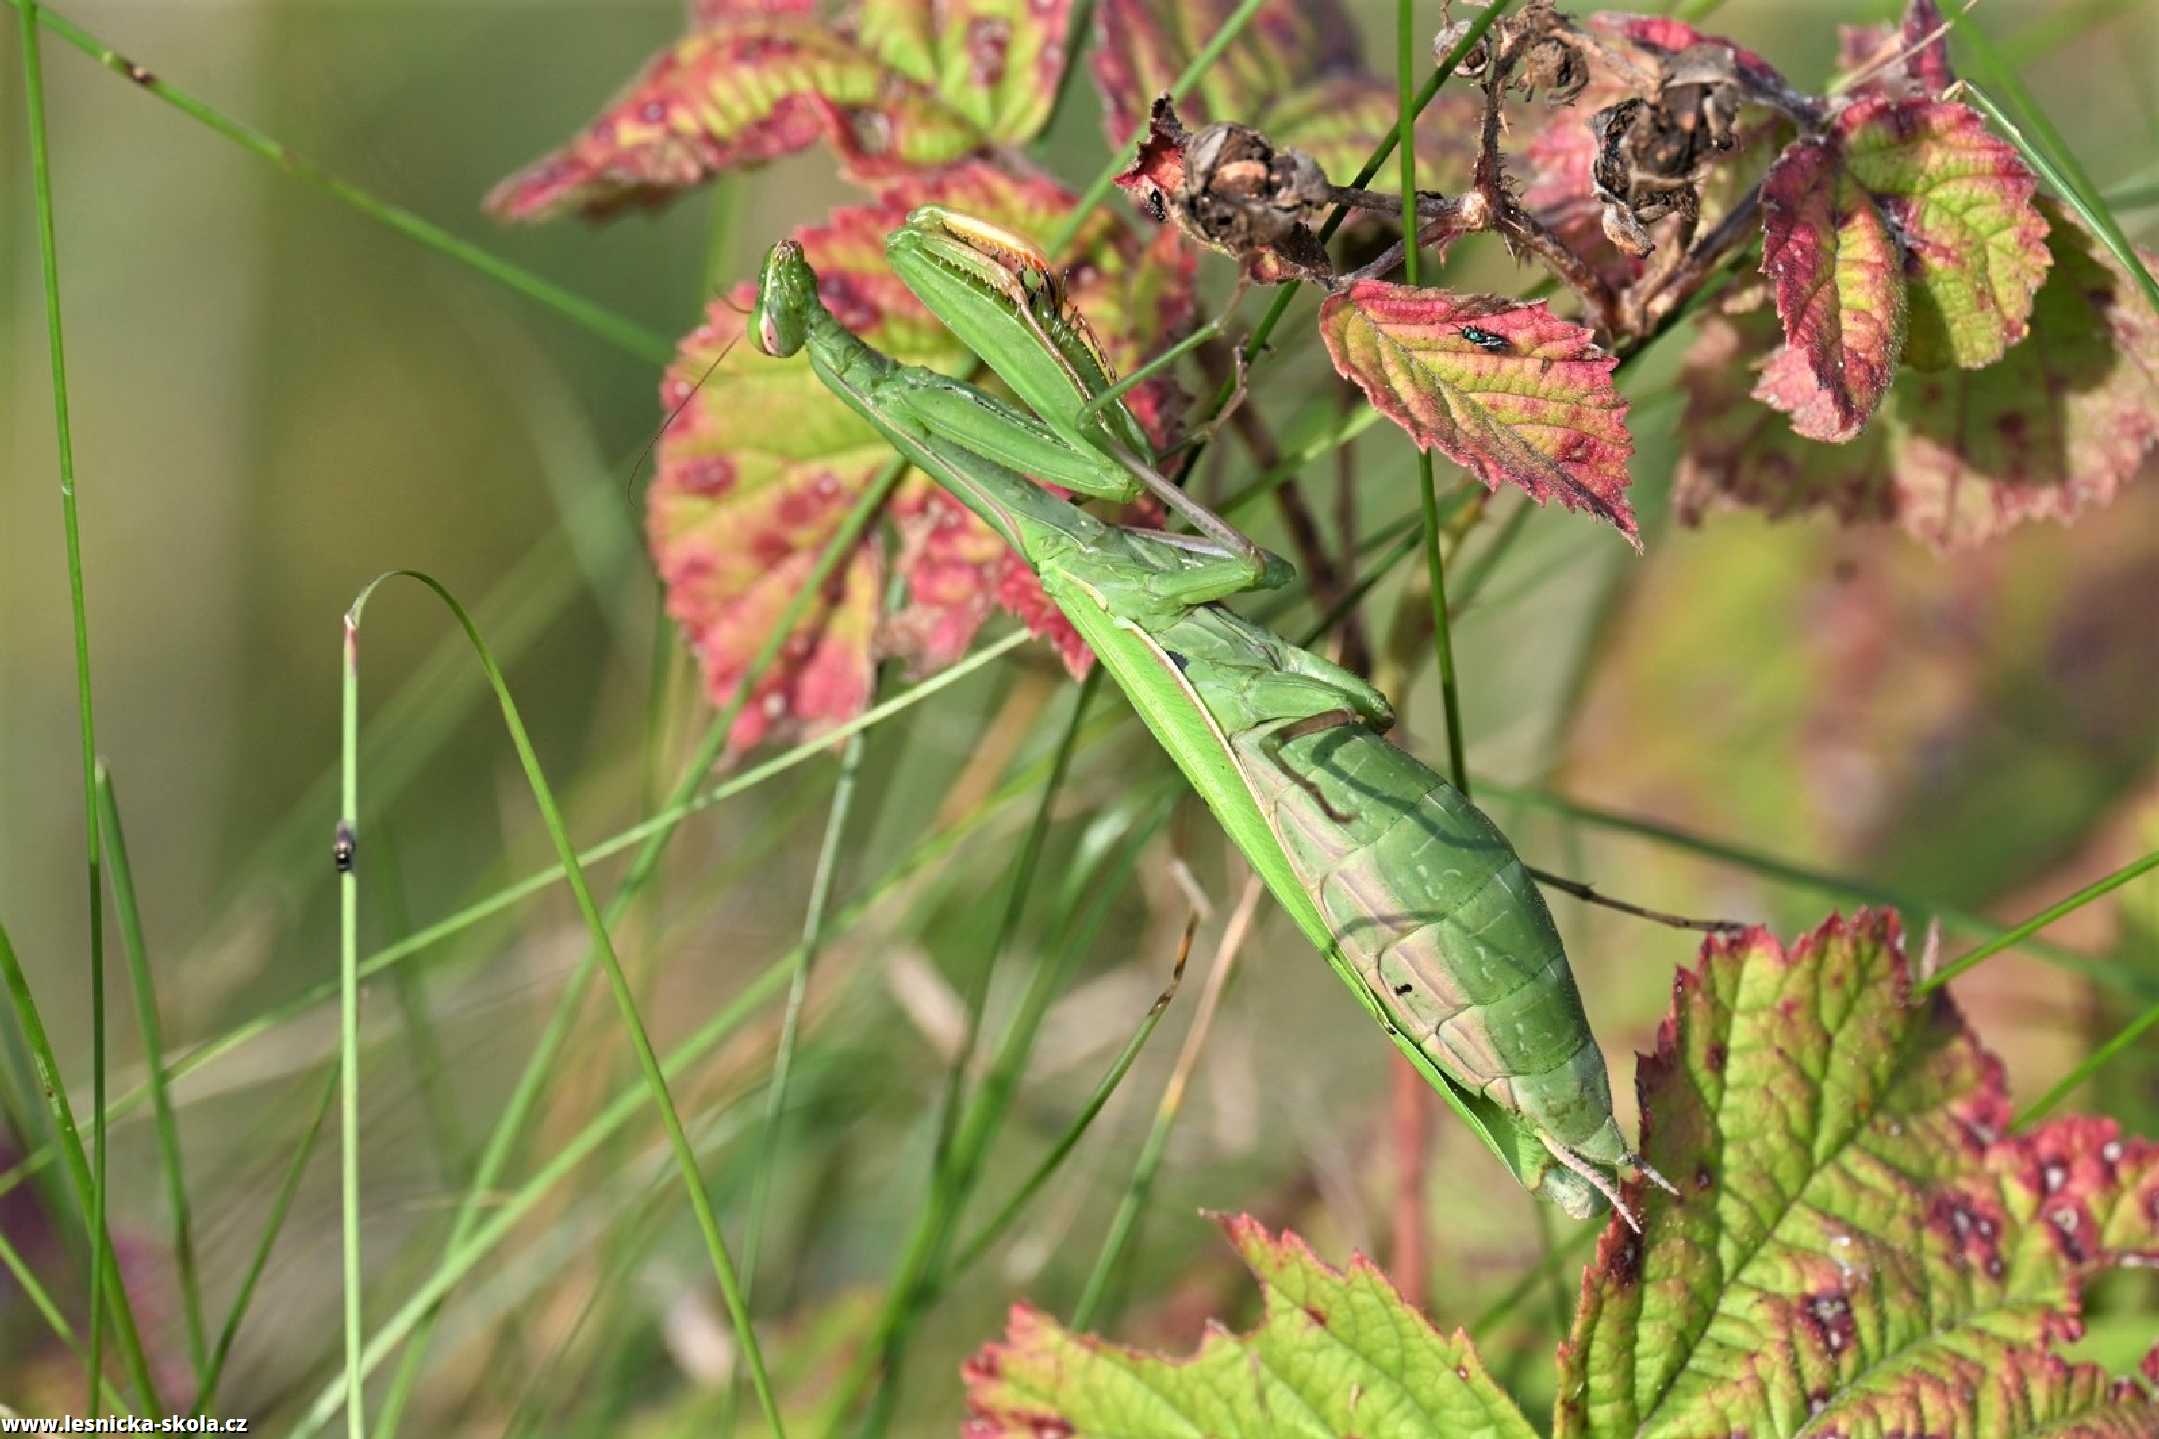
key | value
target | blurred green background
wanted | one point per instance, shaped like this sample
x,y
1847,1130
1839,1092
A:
x,y
275,399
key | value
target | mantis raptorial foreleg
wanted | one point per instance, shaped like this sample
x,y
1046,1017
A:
x,y
1002,298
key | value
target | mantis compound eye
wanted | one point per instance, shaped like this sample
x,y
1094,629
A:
x,y
784,289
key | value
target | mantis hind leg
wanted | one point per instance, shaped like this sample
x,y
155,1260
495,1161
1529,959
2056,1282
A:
x,y
1596,1178
1261,570
1602,1182
1272,745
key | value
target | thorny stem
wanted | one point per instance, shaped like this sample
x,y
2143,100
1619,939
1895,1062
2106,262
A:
x,y
1521,230
1630,316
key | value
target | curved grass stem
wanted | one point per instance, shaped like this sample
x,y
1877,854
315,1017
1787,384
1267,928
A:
x,y
539,1066
654,1077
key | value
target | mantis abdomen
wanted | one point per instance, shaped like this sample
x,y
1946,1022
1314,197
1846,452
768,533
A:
x,y
1428,900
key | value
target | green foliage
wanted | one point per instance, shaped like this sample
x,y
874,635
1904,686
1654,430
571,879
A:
x,y
272,403
1859,1245
1337,1353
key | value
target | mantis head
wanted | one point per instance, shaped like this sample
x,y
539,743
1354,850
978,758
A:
x,y
786,294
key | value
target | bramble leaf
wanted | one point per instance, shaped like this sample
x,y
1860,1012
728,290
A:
x,y
1911,59
1838,281
1662,36
762,463
1960,200
1337,1353
1508,391
903,86
1955,457
1295,74
996,63
1858,1245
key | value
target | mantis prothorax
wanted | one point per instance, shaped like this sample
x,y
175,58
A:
x,y
1414,896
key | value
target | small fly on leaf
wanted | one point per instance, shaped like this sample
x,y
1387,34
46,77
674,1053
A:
x,y
1485,339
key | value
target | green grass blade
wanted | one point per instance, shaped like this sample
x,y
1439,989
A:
x,y
281,1206
2043,146
1098,876
504,1216
1054,1159
1435,564
2017,935
772,1130
919,1258
539,1066
406,732
622,333
798,987
2059,168
393,955
348,1007
64,447
2090,1065
1134,1201
1823,882
77,1164
1286,294
648,1060
12,1260
153,1048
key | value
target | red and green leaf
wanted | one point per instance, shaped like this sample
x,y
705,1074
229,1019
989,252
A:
x,y
762,463
1954,457
1911,59
1858,1245
1960,201
996,63
1508,391
1337,1352
1837,277
1662,36
901,87
1295,74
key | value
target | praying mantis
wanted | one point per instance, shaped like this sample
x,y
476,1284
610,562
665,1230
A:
x,y
1414,897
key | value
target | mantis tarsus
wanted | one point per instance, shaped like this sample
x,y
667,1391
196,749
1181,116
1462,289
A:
x,y
1414,896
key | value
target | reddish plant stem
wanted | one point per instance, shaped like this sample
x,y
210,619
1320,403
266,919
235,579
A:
x,y
1410,1132
1524,232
